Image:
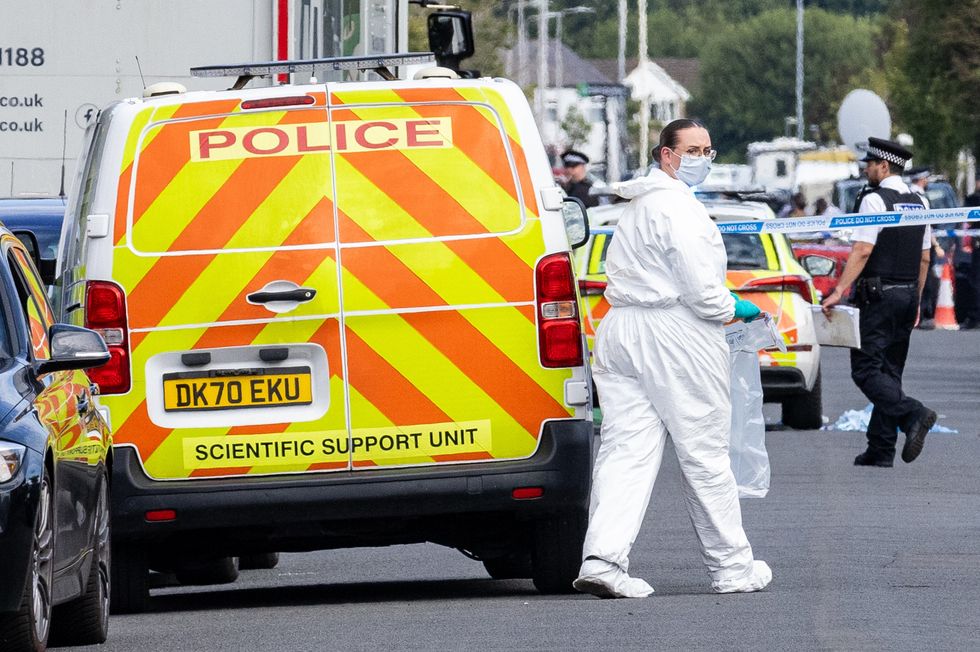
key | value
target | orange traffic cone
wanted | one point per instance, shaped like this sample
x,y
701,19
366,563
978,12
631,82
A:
x,y
945,315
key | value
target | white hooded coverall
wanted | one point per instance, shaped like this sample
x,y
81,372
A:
x,y
661,364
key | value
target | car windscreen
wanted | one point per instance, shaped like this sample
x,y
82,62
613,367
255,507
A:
x,y
745,251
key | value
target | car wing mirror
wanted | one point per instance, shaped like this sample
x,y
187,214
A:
x,y
73,347
451,37
818,265
576,221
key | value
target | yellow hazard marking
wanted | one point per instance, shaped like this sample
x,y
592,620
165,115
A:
x,y
364,444
321,138
502,110
136,130
187,193
515,336
438,377
451,169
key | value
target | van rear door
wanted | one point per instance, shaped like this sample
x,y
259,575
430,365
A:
x,y
226,248
438,238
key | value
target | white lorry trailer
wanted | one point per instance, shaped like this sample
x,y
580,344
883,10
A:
x,y
63,60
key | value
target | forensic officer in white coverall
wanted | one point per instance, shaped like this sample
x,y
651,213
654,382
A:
x,y
661,366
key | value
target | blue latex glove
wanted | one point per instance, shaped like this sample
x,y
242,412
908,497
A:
x,y
746,310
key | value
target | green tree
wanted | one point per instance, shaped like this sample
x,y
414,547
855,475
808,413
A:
x,y
933,76
748,74
576,128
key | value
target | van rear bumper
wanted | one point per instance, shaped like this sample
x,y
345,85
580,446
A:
x,y
321,509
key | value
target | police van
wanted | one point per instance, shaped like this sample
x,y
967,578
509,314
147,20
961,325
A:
x,y
339,314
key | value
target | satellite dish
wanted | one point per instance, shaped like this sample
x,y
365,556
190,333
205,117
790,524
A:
x,y
862,114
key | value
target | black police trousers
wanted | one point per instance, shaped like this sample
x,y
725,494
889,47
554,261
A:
x,y
886,326
930,292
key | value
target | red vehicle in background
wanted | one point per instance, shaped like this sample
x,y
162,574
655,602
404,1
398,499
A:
x,y
825,262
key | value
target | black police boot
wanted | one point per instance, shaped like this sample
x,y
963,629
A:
x,y
868,458
915,436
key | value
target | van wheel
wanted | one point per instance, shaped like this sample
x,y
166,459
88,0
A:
x,y
130,574
514,565
223,570
805,411
85,620
28,627
260,561
557,553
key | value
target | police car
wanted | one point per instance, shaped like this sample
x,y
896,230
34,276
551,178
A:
x,y
762,269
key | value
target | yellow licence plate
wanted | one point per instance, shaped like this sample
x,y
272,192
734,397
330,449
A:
x,y
223,389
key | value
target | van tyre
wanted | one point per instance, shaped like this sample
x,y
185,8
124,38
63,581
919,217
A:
x,y
513,565
557,553
223,570
85,620
805,411
28,627
260,561
130,585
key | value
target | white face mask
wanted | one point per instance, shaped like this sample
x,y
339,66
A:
x,y
693,169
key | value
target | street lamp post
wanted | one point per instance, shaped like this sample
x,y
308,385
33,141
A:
x,y
799,69
521,46
621,61
560,60
645,100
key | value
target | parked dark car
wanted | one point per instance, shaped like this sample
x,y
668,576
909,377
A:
x,y
37,222
54,491
939,192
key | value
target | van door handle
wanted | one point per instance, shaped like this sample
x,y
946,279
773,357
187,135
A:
x,y
299,295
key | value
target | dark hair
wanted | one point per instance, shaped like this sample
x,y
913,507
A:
x,y
895,168
668,136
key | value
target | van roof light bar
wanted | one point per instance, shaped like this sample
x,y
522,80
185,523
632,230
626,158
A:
x,y
379,63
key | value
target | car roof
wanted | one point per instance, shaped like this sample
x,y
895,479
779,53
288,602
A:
x,y
720,210
730,211
31,206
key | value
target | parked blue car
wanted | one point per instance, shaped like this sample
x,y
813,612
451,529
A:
x,y
37,222
54,489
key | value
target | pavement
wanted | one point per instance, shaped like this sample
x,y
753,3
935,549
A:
x,y
863,559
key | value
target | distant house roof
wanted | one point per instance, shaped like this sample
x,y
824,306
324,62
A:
x,y
576,70
686,72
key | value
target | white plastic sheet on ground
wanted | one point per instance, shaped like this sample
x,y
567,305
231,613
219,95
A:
x,y
750,461
857,421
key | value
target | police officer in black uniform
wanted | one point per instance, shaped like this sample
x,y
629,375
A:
x,y
577,184
889,266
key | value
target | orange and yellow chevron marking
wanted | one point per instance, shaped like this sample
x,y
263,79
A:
x,y
167,148
469,141
501,118
386,389
432,367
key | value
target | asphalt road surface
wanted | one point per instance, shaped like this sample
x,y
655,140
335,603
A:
x,y
863,559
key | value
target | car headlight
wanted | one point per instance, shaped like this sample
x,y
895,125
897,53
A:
x,y
11,455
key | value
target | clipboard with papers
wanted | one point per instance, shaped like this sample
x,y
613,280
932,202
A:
x,y
841,329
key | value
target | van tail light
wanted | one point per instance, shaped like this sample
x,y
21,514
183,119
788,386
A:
x,y
105,313
591,288
559,327
787,283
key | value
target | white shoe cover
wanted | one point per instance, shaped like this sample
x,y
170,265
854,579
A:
x,y
606,580
755,580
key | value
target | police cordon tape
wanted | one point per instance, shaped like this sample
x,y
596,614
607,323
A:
x,y
939,233
819,223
